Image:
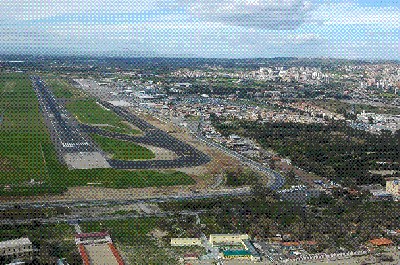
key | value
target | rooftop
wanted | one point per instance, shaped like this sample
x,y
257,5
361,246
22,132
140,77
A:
x,y
89,235
290,244
381,242
240,252
15,242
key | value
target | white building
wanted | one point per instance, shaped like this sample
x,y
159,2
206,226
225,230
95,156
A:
x,y
16,249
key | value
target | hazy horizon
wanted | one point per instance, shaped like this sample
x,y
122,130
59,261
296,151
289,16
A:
x,y
354,29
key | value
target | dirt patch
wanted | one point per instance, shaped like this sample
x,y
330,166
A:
x,y
158,234
160,153
220,161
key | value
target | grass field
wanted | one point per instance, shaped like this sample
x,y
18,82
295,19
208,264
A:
x,y
26,151
89,112
132,237
62,89
122,150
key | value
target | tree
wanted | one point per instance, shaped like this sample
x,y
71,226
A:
x,y
370,120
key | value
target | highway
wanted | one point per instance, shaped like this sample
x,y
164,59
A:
x,y
75,219
159,199
277,179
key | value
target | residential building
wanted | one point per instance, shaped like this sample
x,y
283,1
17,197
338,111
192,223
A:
x,y
17,249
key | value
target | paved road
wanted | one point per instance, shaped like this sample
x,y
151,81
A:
x,y
75,219
160,199
277,180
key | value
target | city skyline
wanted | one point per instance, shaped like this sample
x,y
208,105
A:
x,y
227,29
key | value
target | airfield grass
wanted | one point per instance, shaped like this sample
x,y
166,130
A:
x,y
122,150
26,151
89,112
62,89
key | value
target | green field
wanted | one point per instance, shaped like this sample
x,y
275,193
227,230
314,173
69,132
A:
x,y
26,152
120,179
133,239
62,89
122,150
89,112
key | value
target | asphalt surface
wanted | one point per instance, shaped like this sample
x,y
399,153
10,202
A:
x,y
64,130
69,137
188,156
113,202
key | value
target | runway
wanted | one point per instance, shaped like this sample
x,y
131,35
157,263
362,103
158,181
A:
x,y
76,148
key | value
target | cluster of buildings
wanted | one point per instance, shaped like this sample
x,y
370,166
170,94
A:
x,y
377,122
281,249
307,75
226,246
381,76
94,248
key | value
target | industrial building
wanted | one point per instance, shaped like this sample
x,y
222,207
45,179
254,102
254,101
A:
x,y
243,247
17,249
227,239
181,242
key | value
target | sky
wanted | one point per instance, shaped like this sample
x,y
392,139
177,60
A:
x,y
352,29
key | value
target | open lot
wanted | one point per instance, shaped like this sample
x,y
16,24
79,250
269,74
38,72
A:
x,y
25,144
134,239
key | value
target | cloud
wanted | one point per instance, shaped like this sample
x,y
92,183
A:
x,y
265,14
351,13
40,9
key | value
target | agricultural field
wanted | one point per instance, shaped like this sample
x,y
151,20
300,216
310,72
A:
x,y
90,112
28,161
122,150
